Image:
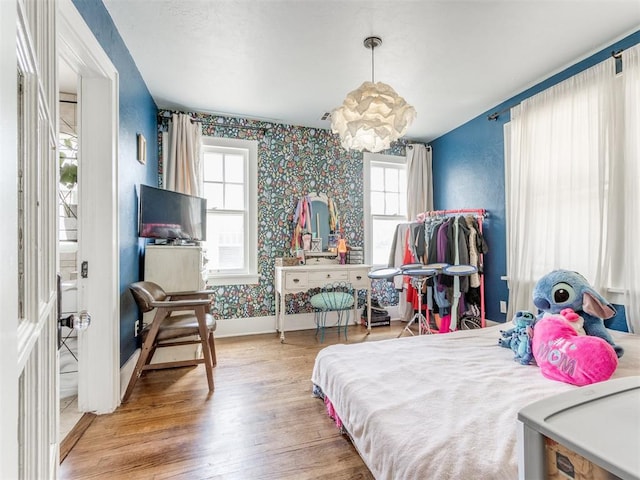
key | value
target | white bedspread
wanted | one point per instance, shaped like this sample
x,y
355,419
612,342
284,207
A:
x,y
438,407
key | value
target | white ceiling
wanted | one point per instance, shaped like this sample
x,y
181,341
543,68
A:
x,y
290,61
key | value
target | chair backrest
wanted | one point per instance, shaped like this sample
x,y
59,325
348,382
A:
x,y
145,293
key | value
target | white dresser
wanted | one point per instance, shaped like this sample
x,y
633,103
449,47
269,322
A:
x,y
301,278
175,268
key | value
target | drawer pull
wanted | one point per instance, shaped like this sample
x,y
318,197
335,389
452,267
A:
x,y
359,277
296,280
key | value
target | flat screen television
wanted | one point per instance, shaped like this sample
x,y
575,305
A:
x,y
169,215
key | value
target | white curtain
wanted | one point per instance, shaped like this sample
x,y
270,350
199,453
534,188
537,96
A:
x,y
558,169
182,170
419,180
631,81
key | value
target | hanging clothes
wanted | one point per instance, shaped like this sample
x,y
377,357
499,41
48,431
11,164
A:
x,y
455,239
443,237
301,221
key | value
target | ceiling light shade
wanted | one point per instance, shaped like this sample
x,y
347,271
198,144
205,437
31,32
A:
x,y
373,116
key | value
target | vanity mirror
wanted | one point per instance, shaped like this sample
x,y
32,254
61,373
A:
x,y
315,221
320,220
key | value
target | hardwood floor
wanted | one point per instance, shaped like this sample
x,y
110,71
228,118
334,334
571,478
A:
x,y
261,422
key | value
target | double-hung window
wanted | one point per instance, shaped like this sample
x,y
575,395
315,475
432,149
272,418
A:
x,y
385,203
229,178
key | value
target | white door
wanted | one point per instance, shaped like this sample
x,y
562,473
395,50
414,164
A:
x,y
28,212
28,204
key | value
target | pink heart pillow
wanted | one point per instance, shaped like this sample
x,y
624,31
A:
x,y
565,356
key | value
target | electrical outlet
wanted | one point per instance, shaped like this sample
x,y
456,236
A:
x,y
503,306
139,327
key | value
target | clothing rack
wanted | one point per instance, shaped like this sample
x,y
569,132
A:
x,y
480,214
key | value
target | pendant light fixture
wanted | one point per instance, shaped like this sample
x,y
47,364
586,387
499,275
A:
x,y
374,115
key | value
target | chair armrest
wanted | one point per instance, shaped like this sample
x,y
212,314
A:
x,y
181,303
190,293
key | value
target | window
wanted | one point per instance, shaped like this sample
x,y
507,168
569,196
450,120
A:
x,y
385,203
567,170
229,177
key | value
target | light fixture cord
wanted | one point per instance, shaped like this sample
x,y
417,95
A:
x,y
372,62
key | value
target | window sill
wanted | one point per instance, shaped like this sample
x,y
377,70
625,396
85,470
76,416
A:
x,y
243,279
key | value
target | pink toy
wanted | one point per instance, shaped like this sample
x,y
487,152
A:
x,y
565,356
575,320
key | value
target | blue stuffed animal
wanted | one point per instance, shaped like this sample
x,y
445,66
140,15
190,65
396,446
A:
x,y
518,338
562,289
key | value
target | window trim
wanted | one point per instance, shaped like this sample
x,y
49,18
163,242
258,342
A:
x,y
368,160
250,274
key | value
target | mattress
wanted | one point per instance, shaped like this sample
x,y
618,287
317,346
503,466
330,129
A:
x,y
439,406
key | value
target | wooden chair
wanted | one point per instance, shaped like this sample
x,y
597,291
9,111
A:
x,y
167,328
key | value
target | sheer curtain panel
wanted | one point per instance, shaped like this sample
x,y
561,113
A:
x,y
631,81
419,180
560,154
183,164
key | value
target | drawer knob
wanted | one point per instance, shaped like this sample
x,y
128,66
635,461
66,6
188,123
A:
x,y
328,275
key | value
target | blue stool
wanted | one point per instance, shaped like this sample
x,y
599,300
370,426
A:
x,y
333,297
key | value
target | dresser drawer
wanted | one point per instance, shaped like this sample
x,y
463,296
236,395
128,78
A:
x,y
359,278
328,276
296,280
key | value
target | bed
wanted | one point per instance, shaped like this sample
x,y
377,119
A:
x,y
438,406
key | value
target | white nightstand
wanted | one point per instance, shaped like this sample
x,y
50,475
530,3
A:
x,y
594,428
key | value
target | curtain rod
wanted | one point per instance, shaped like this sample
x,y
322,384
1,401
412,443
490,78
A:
x,y
494,116
168,114
231,125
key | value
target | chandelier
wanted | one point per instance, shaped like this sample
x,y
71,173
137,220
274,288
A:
x,y
372,116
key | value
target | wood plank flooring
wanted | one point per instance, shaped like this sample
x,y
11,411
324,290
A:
x,y
261,422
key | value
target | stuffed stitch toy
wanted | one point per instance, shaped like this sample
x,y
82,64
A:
x,y
561,289
519,337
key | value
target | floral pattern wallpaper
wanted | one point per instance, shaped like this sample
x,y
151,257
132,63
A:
x,y
292,161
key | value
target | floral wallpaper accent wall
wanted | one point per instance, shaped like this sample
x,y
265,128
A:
x,y
292,161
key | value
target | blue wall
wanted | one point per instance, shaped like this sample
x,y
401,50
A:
x,y
468,172
138,114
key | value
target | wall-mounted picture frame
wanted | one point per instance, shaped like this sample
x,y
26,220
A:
x,y
142,149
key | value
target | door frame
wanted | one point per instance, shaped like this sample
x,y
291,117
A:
x,y
98,234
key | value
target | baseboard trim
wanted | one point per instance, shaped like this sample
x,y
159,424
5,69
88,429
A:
x,y
235,327
127,370
75,434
